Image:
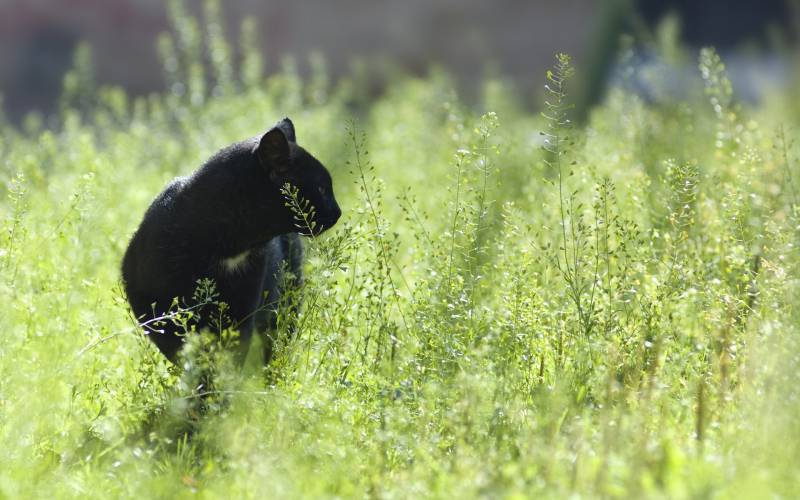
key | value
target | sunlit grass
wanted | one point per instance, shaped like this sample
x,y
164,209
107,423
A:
x,y
611,314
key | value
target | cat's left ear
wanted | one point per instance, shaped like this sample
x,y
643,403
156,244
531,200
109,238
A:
x,y
273,152
287,127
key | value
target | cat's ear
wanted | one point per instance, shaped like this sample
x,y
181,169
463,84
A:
x,y
273,151
288,128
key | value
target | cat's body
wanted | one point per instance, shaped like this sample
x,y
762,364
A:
x,y
229,222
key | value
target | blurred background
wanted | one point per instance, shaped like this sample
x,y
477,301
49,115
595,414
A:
x,y
515,39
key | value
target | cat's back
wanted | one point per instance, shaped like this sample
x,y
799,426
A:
x,y
155,220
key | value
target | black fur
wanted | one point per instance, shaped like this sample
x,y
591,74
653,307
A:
x,y
228,222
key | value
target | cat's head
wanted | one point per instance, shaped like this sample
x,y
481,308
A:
x,y
287,163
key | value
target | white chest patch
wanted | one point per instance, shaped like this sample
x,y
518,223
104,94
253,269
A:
x,y
236,263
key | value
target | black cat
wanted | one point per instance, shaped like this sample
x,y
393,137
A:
x,y
229,222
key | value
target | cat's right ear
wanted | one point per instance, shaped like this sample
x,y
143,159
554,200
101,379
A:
x,y
273,152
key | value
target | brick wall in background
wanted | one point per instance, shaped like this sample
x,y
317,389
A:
x,y
519,37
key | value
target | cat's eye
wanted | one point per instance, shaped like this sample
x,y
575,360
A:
x,y
321,190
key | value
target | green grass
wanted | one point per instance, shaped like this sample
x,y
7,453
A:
x,y
612,313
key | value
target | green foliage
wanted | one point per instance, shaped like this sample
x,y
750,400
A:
x,y
614,314
79,88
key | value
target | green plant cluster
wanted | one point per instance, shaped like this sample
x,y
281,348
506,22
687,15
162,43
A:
x,y
511,306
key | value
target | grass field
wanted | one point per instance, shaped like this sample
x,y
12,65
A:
x,y
510,306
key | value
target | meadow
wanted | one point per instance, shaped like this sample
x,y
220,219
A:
x,y
512,305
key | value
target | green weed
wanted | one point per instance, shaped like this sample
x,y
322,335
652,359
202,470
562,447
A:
x,y
608,310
